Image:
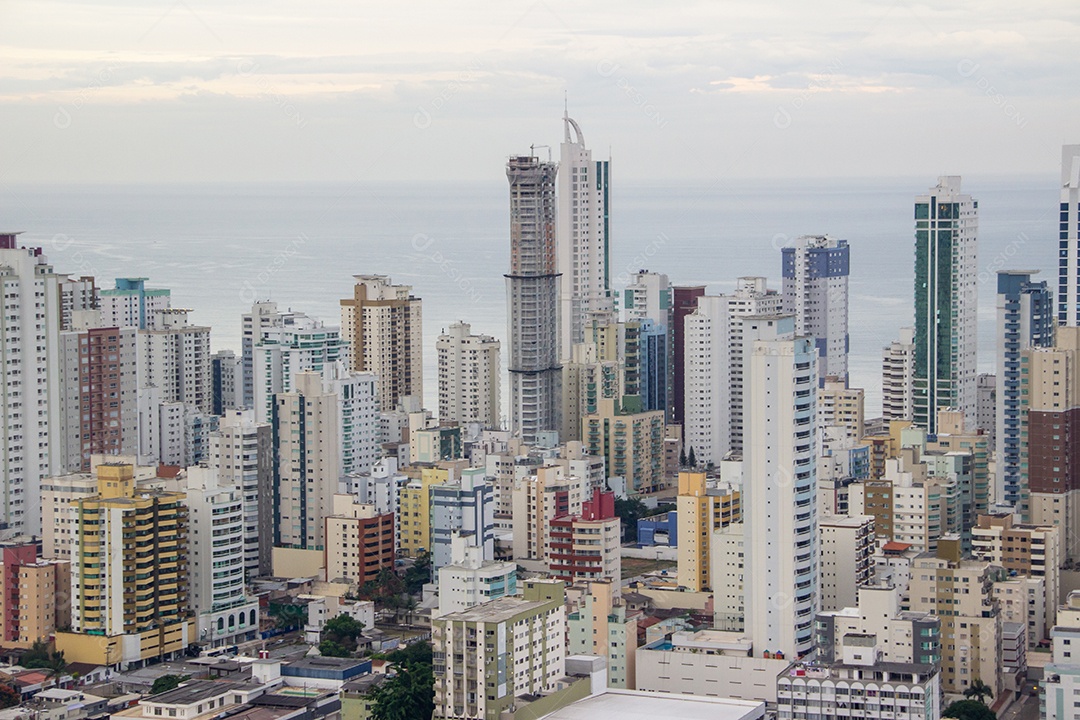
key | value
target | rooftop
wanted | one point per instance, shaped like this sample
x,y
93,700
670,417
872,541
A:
x,y
495,611
194,692
635,705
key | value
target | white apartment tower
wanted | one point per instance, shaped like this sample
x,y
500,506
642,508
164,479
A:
x,y
174,356
383,325
582,238
29,350
898,376
263,316
226,614
816,271
1069,238
708,380
713,359
296,344
241,451
946,302
532,286
468,376
779,492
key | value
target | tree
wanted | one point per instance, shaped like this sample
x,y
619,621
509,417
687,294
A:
x,y
419,574
969,710
410,694
978,690
40,656
682,457
330,648
692,460
339,635
165,683
288,616
629,511
9,696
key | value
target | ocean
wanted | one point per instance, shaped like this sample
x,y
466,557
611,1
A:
x,y
219,247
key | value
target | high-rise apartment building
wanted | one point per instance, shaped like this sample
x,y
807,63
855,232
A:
x,y
264,315
488,655
226,614
307,447
632,442
469,377
960,592
174,356
225,381
359,542
684,301
582,237
779,495
130,582
713,372
842,406
1025,319
467,507
132,304
383,325
1050,436
703,508
898,377
603,625
242,453
847,548
816,269
35,595
100,402
586,547
1069,239
946,300
290,345
532,286
30,359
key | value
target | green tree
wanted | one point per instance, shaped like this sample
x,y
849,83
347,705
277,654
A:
x,y
692,460
969,710
165,683
419,574
629,511
288,616
40,656
410,694
978,690
9,696
330,648
682,457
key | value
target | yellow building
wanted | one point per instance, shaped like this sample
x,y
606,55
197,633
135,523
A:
x,y
631,442
414,512
702,508
34,595
884,446
130,574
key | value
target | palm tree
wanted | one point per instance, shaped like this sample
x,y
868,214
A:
x,y
979,690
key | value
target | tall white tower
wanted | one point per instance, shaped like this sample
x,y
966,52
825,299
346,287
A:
x,y
30,448
897,376
1069,238
816,271
780,488
946,302
582,238
468,376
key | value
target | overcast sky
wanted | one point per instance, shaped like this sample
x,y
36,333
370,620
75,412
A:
x,y
186,90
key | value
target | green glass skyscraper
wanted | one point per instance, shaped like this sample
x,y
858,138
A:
x,y
946,302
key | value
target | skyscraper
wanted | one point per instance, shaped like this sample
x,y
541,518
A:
x,y
383,325
581,238
684,302
815,272
1069,238
946,299
532,295
898,376
131,304
30,305
780,492
468,376
1025,318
